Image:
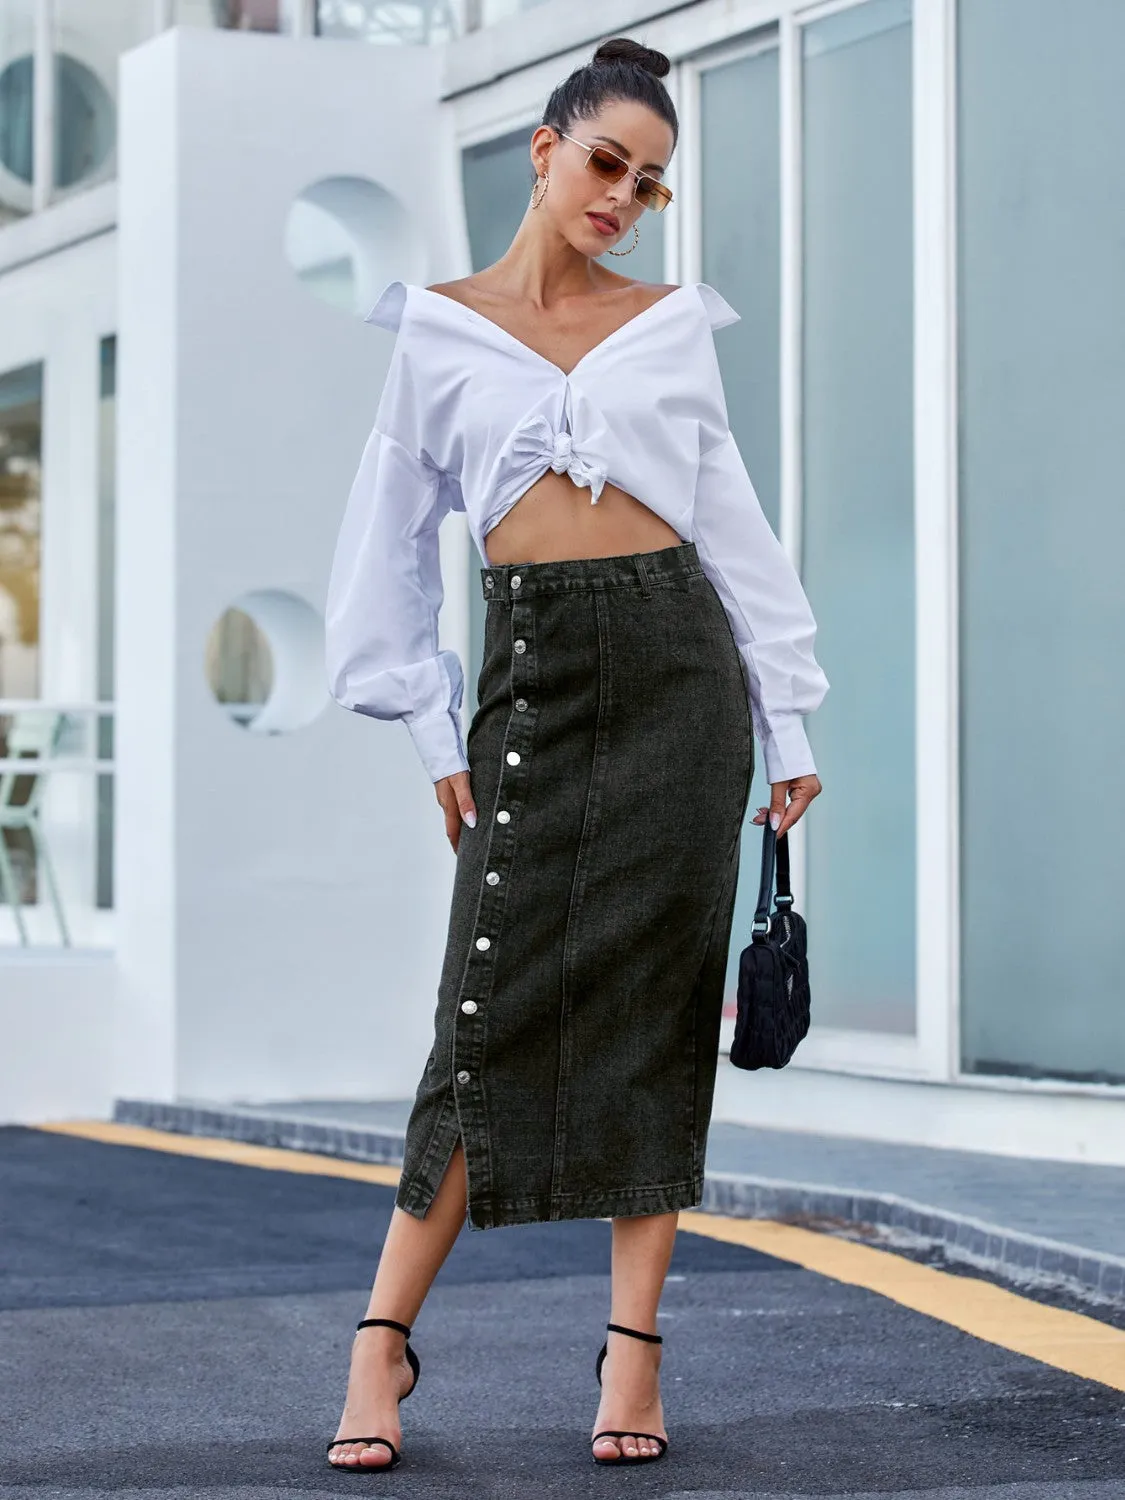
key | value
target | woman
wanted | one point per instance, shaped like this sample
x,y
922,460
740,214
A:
x,y
642,622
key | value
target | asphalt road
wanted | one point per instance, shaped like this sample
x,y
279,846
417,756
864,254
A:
x,y
175,1327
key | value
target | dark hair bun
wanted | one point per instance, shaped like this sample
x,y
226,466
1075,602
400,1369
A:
x,y
624,49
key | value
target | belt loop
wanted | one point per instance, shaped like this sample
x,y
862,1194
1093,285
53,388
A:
x,y
642,574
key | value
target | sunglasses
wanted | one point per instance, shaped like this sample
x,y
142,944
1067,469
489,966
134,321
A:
x,y
612,168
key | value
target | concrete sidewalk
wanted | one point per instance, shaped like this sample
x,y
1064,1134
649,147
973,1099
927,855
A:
x,y
1052,1223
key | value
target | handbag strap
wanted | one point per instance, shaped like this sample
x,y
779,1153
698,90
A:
x,y
772,847
784,895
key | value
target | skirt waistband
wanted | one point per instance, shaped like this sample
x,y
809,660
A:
x,y
514,581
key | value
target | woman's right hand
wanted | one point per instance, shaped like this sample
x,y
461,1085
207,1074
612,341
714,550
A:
x,y
457,804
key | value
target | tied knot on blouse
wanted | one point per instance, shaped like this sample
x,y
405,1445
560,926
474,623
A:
x,y
537,440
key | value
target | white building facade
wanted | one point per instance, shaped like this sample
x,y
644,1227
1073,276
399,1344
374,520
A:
x,y
910,204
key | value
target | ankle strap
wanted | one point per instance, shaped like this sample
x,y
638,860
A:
x,y
649,1338
383,1323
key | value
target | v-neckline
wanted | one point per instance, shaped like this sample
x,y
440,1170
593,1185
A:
x,y
534,353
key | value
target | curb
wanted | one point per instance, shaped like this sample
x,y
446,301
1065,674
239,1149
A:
x,y
322,1137
971,1241
975,1242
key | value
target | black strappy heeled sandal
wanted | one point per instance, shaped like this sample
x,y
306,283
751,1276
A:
x,y
396,1457
635,1458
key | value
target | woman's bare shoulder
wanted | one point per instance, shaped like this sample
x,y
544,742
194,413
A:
x,y
457,289
664,289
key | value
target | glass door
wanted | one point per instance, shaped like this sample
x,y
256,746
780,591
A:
x,y
740,256
1040,121
857,518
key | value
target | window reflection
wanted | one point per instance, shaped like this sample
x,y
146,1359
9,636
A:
x,y
107,515
21,431
239,665
857,465
409,21
230,15
17,38
88,38
741,234
1041,365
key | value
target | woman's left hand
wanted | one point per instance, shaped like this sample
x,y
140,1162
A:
x,y
802,789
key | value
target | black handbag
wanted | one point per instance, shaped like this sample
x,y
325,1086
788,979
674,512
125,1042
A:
x,y
773,971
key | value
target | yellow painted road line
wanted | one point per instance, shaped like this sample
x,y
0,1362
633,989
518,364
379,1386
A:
x,y
1065,1340
272,1158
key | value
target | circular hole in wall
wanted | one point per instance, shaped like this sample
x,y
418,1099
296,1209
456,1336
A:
x,y
345,238
264,662
84,122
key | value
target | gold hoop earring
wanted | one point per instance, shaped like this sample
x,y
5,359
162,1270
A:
x,y
535,202
633,246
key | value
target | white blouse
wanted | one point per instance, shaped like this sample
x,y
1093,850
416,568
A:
x,y
469,417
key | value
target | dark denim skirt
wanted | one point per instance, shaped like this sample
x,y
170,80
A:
x,y
576,1032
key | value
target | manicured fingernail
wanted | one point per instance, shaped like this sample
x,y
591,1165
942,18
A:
x,y
471,819
775,821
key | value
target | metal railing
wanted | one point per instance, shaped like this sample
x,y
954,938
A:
x,y
55,840
35,765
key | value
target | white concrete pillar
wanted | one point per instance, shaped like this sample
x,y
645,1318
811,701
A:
x,y
283,898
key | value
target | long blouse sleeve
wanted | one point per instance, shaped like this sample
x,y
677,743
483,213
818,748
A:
x,y
770,617
384,594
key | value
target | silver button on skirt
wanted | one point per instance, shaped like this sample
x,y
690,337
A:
x,y
577,1022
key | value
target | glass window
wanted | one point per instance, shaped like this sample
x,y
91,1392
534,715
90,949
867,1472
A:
x,y
409,21
230,15
858,517
741,253
1041,118
17,40
480,13
740,203
107,508
239,664
90,36
21,434
496,179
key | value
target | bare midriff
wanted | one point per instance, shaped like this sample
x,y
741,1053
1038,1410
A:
x,y
553,521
